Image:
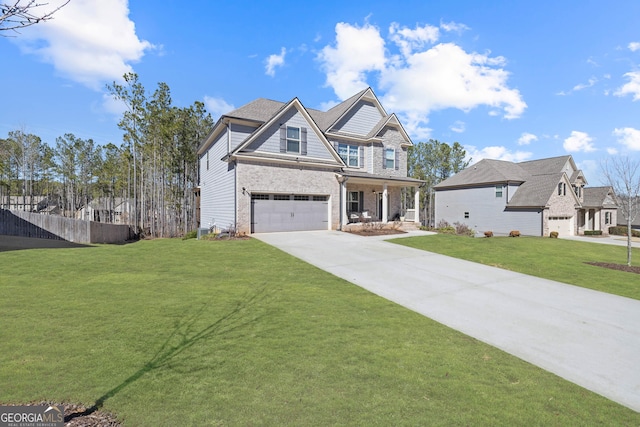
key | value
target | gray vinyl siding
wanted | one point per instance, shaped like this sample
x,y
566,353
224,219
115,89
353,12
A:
x,y
269,140
239,134
486,211
360,120
217,201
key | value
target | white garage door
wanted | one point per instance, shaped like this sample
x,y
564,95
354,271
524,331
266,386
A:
x,y
280,212
563,225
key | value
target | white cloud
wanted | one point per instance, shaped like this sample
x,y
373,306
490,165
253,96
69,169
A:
x,y
592,81
217,106
357,50
415,77
496,153
409,40
274,61
453,26
578,141
632,87
88,41
628,137
527,138
633,46
612,151
113,105
458,126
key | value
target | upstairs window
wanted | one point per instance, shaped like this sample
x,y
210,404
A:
x,y
350,154
293,140
389,160
498,191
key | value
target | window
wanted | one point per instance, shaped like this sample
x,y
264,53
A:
x,y
466,215
281,197
607,217
353,201
320,198
389,158
349,154
259,197
498,190
293,140
207,160
560,189
300,197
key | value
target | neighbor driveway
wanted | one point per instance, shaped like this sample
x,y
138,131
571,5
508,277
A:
x,y
587,337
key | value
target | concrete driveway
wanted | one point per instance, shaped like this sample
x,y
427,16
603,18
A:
x,y
587,337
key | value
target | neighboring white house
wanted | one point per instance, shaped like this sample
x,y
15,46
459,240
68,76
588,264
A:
x,y
534,197
276,166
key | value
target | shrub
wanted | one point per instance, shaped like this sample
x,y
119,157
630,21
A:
x,y
514,233
488,234
593,232
553,234
191,235
622,231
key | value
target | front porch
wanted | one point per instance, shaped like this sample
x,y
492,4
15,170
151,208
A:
x,y
378,200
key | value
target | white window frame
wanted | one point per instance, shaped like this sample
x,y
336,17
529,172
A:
x,y
392,159
349,155
294,140
499,191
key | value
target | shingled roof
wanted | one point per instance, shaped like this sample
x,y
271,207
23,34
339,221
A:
x,y
598,197
537,179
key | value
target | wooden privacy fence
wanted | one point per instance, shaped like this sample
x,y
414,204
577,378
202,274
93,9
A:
x,y
27,224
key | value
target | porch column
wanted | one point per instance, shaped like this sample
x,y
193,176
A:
x,y
416,204
344,219
385,204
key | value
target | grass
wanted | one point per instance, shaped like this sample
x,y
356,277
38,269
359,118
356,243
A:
x,y
173,332
554,259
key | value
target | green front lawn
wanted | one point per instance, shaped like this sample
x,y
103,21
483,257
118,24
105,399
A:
x,y
193,333
554,259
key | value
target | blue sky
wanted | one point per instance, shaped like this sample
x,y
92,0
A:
x,y
510,80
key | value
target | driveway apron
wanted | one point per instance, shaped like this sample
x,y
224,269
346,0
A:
x,y
587,337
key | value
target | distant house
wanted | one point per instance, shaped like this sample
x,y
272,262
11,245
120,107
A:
x,y
110,211
534,197
280,166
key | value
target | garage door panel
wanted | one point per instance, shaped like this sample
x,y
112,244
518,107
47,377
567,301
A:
x,y
288,215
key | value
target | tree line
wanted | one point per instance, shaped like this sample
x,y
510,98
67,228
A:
x,y
154,170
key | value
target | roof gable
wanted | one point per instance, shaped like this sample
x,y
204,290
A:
x,y
262,140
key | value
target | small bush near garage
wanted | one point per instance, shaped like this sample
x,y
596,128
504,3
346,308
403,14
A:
x,y
514,233
622,231
593,232
488,234
553,234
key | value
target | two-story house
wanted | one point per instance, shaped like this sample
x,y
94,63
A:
x,y
533,197
279,166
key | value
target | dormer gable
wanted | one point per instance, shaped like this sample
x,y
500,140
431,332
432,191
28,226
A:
x,y
358,115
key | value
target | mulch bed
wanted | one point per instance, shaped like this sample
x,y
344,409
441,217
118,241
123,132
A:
x,y
619,267
381,232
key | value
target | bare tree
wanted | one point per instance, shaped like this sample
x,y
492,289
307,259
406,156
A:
x,y
623,175
19,14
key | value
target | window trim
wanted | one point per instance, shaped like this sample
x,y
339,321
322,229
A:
x,y
289,139
386,158
350,156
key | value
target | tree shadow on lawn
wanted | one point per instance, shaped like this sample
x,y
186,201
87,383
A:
x,y
185,335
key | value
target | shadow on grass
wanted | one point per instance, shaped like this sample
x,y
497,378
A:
x,y
184,336
15,243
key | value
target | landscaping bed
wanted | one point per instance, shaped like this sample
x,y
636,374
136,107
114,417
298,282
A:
x,y
619,267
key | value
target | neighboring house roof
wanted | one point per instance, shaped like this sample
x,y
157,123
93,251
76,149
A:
x,y
536,179
599,197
